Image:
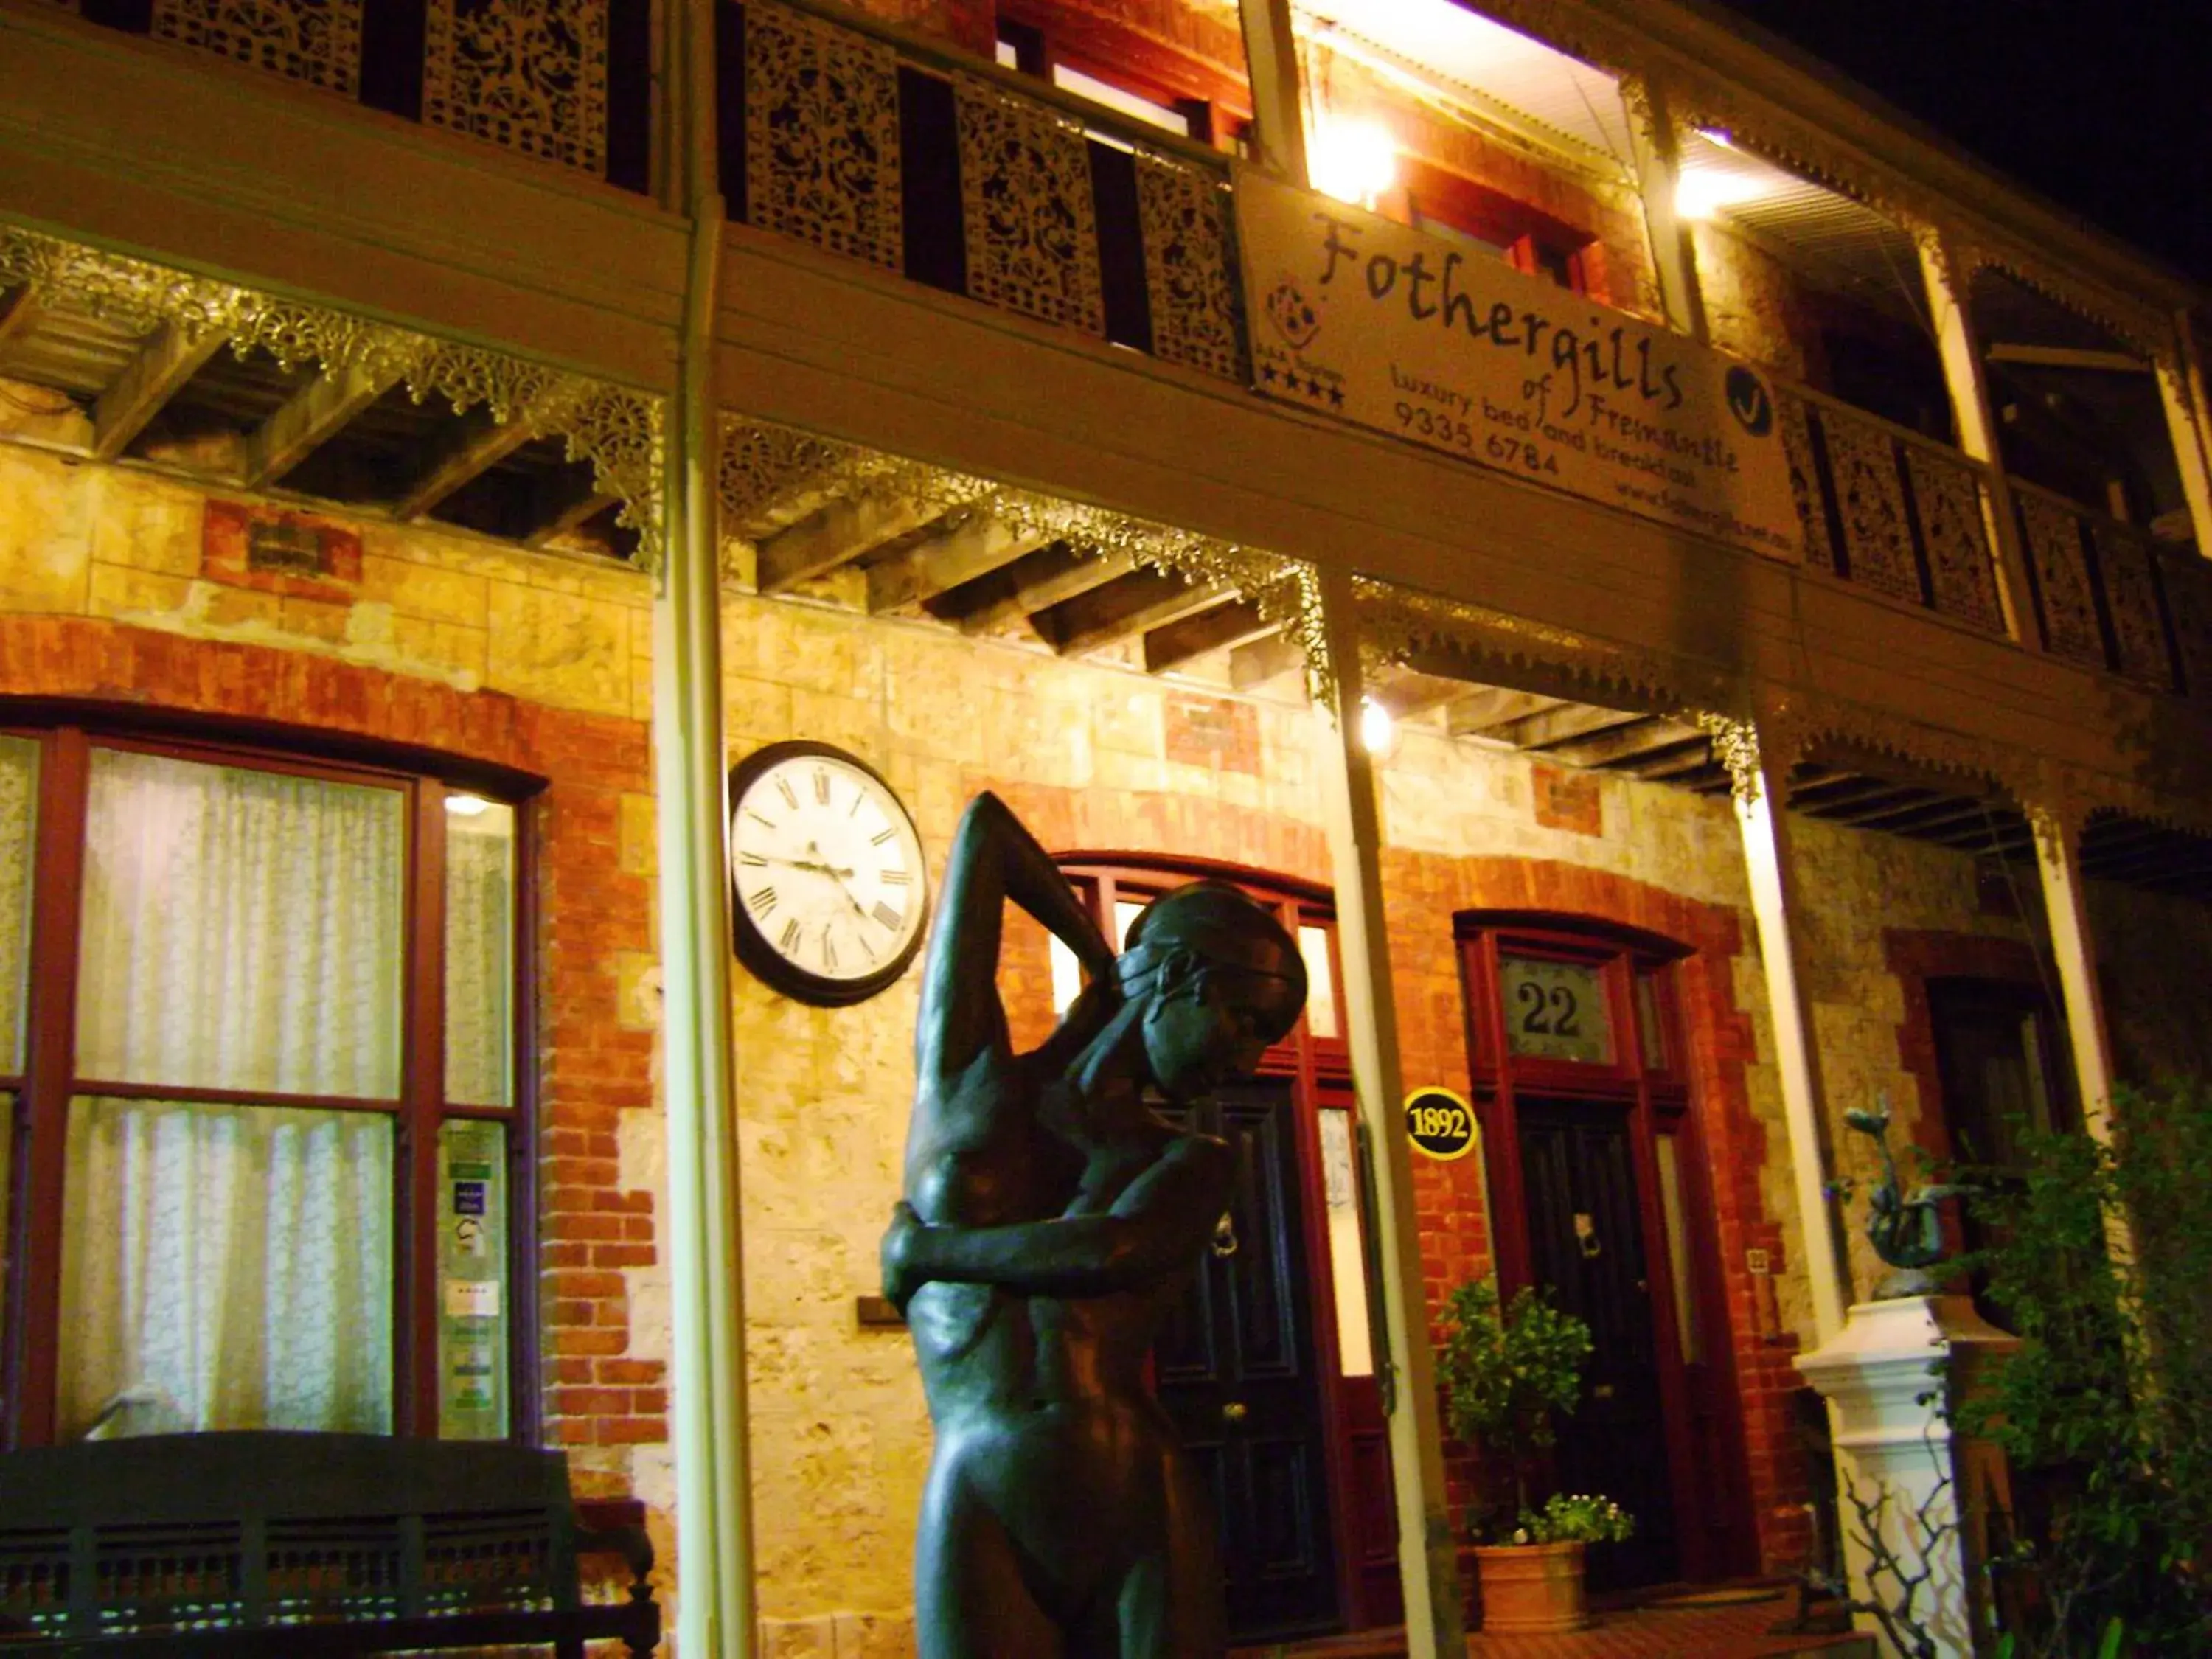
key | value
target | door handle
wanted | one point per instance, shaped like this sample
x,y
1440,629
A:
x,y
1235,1411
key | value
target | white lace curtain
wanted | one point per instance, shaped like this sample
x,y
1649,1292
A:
x,y
230,1266
225,1267
241,929
479,942
19,795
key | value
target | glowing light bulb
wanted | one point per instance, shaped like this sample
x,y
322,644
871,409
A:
x,y
467,806
1354,161
1377,730
1701,195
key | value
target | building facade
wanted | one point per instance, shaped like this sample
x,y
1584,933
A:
x,y
437,441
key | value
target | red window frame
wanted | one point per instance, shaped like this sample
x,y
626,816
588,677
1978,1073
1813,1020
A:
x,y
1218,105
33,1206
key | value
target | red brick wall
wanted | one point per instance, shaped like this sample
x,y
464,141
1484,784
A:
x,y
1421,893
597,1393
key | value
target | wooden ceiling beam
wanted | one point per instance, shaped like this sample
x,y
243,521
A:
x,y
1050,576
1651,737
834,535
1886,800
568,513
469,451
1139,601
1234,623
24,313
976,547
166,360
1927,816
309,418
1547,727
1480,712
1259,661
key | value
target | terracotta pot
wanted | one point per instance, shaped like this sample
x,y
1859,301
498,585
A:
x,y
1532,1589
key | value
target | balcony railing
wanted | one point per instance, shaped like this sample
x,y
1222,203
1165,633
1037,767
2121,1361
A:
x,y
870,142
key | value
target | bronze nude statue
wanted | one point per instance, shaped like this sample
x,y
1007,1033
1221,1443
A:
x,y
1050,1221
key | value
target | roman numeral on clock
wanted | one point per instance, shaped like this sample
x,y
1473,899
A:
x,y
821,786
790,796
761,900
885,915
789,938
894,878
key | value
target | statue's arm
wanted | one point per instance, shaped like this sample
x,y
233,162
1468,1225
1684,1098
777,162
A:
x,y
994,859
1158,1225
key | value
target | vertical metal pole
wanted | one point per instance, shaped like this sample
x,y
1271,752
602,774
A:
x,y
714,1540
1958,345
1270,61
1658,158
1763,817
1426,1558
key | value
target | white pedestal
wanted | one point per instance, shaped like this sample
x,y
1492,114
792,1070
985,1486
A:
x,y
1891,1378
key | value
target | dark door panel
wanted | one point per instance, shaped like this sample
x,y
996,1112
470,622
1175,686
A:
x,y
1586,1241
1235,1371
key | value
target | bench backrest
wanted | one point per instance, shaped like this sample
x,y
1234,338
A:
x,y
262,1527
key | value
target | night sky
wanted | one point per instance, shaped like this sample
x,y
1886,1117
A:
x,y
2105,108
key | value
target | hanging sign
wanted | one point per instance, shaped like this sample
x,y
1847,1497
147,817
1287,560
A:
x,y
1440,1124
1358,318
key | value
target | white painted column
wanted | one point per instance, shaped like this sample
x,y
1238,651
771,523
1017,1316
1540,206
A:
x,y
1271,59
2184,418
1892,1380
1657,157
714,1536
1943,274
1427,1554
2058,862
1764,821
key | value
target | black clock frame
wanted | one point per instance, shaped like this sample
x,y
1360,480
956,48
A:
x,y
761,958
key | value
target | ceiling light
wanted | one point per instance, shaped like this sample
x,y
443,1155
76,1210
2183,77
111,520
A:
x,y
1354,161
467,806
1378,732
1700,195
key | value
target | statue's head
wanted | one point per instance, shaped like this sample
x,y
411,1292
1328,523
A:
x,y
1220,980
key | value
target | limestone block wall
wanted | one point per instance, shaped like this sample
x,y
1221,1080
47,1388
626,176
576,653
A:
x,y
1100,760
112,590
1753,308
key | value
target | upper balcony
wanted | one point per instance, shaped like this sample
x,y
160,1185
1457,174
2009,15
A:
x,y
1069,163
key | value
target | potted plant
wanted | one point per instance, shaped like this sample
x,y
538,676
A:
x,y
1506,1370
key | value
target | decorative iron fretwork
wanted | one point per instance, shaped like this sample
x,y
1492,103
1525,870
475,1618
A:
x,y
315,42
2053,532
2187,580
1870,502
530,78
2131,602
1184,211
1805,483
768,476
1025,196
1401,624
1735,746
822,135
1947,492
616,429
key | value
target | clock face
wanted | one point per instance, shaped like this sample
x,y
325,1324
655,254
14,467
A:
x,y
831,891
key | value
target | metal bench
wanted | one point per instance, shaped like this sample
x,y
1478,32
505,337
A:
x,y
268,1543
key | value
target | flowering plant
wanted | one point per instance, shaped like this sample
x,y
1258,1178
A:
x,y
1576,1518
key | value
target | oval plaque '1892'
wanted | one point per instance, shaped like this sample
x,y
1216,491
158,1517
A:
x,y
1439,1123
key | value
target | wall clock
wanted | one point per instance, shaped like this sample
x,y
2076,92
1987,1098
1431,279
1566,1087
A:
x,y
831,894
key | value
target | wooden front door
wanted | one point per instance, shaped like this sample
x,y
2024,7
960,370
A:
x,y
1236,1372
1595,1157
1586,1241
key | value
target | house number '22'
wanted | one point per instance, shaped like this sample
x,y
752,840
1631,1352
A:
x,y
1547,1013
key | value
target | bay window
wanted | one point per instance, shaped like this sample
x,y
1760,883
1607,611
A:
x,y
258,1061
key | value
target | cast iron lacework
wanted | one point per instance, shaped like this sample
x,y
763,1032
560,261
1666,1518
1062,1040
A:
x,y
1870,499
1026,204
1957,537
532,77
1805,481
317,42
770,476
822,135
2061,579
1184,212
1400,625
2188,582
616,430
2131,601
